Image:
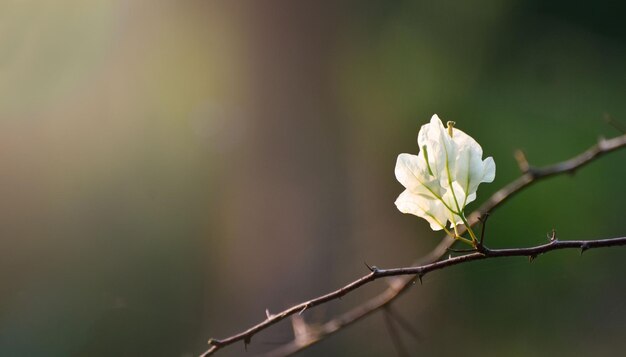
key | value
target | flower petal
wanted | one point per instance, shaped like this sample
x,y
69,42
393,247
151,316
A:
x,y
489,170
432,211
456,201
461,139
434,139
412,173
471,169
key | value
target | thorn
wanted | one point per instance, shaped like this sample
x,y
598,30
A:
x,y
583,248
419,276
267,313
246,342
303,309
372,268
531,258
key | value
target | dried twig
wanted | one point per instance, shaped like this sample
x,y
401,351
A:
x,y
394,334
431,261
614,123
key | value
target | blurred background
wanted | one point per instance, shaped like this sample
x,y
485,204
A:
x,y
170,169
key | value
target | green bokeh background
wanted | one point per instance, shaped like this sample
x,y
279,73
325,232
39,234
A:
x,y
170,169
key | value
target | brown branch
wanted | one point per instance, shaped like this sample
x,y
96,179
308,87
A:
x,y
420,271
531,252
431,261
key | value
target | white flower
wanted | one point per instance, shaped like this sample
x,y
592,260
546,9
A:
x,y
443,178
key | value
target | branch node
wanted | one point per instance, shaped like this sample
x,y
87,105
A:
x,y
306,306
482,249
214,342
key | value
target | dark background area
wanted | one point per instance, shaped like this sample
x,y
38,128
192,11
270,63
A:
x,y
170,169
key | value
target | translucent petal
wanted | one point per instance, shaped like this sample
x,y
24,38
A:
x,y
457,200
440,147
489,170
470,198
471,169
462,140
432,211
412,173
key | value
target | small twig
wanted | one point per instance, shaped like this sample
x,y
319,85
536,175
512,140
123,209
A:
x,y
483,220
402,322
608,118
395,336
522,162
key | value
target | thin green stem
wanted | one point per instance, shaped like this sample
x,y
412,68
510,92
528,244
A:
x,y
457,236
469,229
465,240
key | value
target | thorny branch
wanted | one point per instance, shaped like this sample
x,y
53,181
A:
x,y
406,276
